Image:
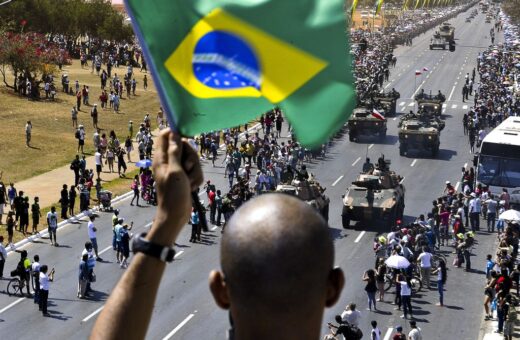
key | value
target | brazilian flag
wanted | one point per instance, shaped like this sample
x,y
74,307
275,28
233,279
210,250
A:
x,y
221,63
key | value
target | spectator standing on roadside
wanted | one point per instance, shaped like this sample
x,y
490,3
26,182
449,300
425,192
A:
x,y
3,200
11,224
424,260
94,115
83,276
119,245
135,189
11,194
145,82
351,315
415,333
52,223
125,244
92,232
64,201
98,158
75,167
35,273
399,334
375,333
72,199
44,288
24,215
74,116
36,214
3,256
80,136
218,205
28,132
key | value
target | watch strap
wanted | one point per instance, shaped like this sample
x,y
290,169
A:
x,y
142,245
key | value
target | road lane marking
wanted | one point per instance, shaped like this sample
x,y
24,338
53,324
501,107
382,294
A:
x,y
11,305
411,104
339,179
357,160
388,333
94,313
454,106
464,107
178,254
176,329
359,237
104,250
444,106
451,93
413,163
370,146
465,165
394,118
401,103
457,186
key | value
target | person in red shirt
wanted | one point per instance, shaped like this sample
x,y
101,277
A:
x,y
212,205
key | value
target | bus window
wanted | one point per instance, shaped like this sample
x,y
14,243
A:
x,y
501,172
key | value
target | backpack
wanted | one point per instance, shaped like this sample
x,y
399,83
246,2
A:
x,y
354,333
77,134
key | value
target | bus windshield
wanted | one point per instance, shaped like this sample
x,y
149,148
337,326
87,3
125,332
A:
x,y
498,171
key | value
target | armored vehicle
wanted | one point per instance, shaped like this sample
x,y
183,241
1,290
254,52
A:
x,y
364,122
419,132
437,42
447,32
309,191
376,196
430,104
387,102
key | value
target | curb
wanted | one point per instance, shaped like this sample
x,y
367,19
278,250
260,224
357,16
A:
x,y
62,224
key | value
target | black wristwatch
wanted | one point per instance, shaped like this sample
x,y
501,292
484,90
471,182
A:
x,y
141,245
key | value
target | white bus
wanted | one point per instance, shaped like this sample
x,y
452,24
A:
x,y
498,162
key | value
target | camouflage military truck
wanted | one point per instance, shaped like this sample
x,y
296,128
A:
x,y
438,43
387,102
363,123
376,196
309,191
419,132
430,104
447,31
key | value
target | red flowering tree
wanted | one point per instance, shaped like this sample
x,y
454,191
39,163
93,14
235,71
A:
x,y
30,55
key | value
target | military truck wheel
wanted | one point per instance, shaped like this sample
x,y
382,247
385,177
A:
x,y
345,221
351,137
402,150
391,219
325,213
435,151
431,48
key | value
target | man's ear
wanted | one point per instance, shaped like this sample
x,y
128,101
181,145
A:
x,y
336,281
218,288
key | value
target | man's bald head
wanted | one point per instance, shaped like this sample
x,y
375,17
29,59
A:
x,y
276,255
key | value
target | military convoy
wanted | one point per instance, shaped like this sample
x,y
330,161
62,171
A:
x,y
430,104
386,102
438,43
419,132
309,191
377,195
363,122
447,31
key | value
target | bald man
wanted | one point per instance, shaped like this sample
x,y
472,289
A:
x,y
276,257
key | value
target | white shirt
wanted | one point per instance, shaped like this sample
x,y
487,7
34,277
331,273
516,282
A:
x,y
91,231
405,289
35,267
375,334
52,219
81,134
97,157
474,205
352,317
44,281
28,128
425,259
415,334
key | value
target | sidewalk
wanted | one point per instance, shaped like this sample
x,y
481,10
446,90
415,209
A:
x,y
47,186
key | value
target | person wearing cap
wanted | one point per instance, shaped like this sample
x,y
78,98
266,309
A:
x,y
119,244
416,332
399,335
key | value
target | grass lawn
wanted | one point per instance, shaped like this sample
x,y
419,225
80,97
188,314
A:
x,y
53,142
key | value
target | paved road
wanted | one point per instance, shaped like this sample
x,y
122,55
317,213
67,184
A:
x,y
184,308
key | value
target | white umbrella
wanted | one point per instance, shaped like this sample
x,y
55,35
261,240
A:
x,y
510,215
397,262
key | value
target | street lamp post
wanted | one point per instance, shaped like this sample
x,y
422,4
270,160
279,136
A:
x,y
5,2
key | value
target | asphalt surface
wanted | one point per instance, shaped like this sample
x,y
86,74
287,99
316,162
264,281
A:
x,y
184,308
